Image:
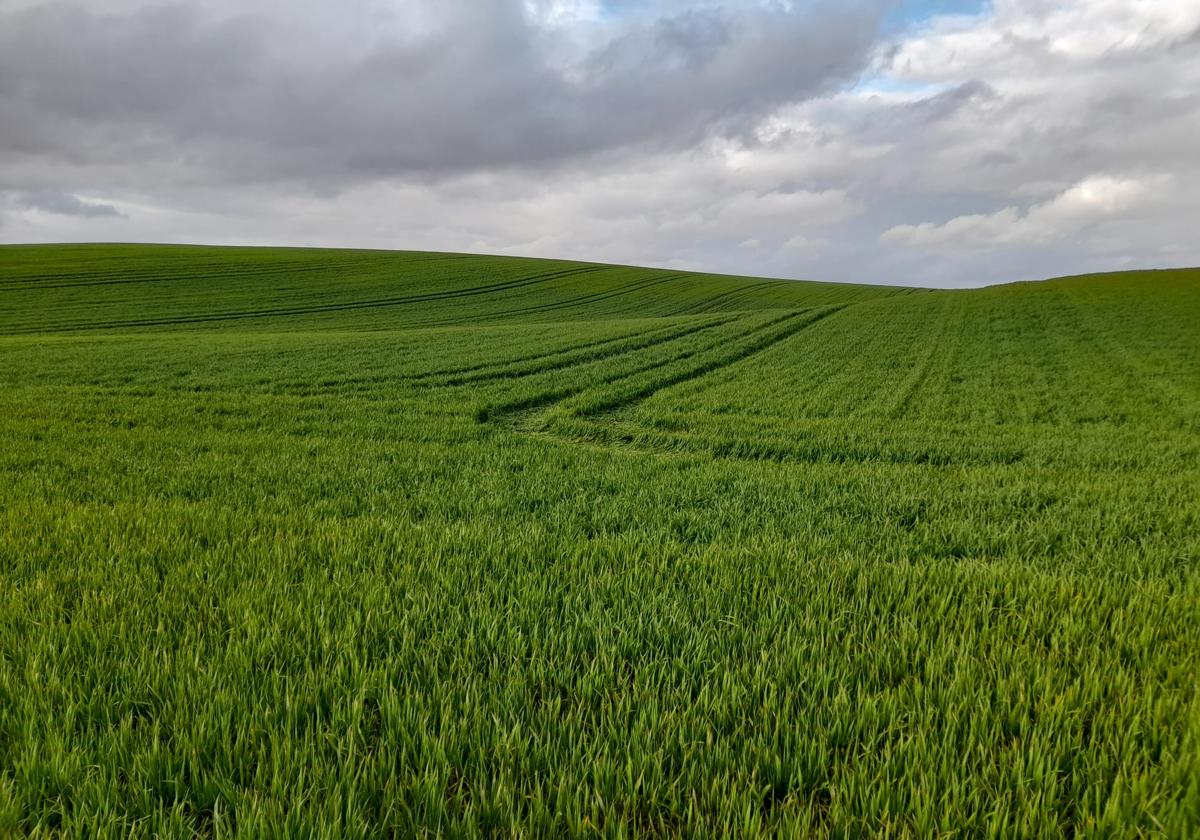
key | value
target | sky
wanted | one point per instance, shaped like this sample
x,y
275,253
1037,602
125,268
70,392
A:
x,y
948,143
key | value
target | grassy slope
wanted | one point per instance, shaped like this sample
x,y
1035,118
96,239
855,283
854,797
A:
x,y
345,542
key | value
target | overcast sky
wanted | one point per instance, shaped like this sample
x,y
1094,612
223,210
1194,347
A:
x,y
936,143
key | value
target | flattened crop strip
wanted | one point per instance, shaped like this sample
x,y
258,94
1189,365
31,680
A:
x,y
492,288
574,357
750,344
640,364
546,410
216,269
595,297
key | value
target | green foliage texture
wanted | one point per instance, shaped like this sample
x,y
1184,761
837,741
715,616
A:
x,y
303,543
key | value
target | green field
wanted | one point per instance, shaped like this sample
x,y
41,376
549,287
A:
x,y
347,544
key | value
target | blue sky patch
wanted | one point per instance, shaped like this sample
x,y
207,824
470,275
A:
x,y
913,12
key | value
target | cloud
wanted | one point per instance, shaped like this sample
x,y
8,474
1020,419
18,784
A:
x,y
421,88
1030,139
64,204
1084,205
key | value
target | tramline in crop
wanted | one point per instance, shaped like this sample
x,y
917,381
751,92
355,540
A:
x,y
353,543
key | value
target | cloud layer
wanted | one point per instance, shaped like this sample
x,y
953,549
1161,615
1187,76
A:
x,y
778,138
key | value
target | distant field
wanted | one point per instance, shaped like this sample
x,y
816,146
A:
x,y
353,544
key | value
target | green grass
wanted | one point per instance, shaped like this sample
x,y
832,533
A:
x,y
353,544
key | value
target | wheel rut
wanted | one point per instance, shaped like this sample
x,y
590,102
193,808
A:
x,y
312,309
576,414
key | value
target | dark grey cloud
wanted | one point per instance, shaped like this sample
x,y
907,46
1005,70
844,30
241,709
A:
x,y
476,88
64,204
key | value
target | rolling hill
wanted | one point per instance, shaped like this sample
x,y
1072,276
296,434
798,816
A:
x,y
358,543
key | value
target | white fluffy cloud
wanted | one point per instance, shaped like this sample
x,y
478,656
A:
x,y
1082,207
